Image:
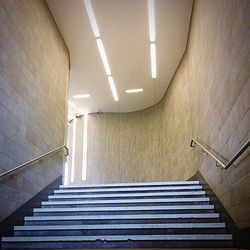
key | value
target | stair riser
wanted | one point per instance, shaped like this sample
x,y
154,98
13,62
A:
x,y
122,221
68,204
199,211
121,232
123,244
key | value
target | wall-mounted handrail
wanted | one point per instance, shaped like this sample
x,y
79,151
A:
x,y
221,162
35,159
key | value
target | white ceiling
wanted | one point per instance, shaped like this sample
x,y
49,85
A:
x,y
124,29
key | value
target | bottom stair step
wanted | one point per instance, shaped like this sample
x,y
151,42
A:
x,y
197,240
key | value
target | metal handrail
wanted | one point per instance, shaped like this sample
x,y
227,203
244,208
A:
x,y
221,162
35,159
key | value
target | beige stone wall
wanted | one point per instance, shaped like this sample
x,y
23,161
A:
x,y
125,147
142,146
209,98
34,65
217,70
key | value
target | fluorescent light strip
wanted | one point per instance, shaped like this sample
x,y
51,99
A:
x,y
84,146
66,166
100,46
66,174
103,56
151,17
91,15
153,59
81,96
133,90
113,89
72,177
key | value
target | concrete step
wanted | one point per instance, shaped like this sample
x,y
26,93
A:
x,y
122,202
120,229
130,196
124,210
133,184
215,240
115,200
130,189
115,219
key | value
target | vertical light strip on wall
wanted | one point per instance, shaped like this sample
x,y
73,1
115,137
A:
x,y
66,166
151,17
100,45
85,146
72,177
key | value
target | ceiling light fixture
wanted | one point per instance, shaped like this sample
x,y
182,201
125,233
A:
x,y
153,59
133,90
81,96
113,88
103,56
91,15
100,46
151,16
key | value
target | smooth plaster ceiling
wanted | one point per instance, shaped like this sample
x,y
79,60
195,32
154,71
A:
x,y
124,30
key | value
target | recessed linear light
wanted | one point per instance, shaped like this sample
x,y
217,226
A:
x,y
84,146
103,56
133,90
102,52
151,17
72,177
153,59
91,15
81,96
113,89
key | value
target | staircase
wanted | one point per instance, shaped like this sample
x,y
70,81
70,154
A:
x,y
124,215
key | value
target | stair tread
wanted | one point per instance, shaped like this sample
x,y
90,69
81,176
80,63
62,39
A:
x,y
137,208
136,216
116,201
188,193
132,184
59,194
119,238
121,226
190,187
